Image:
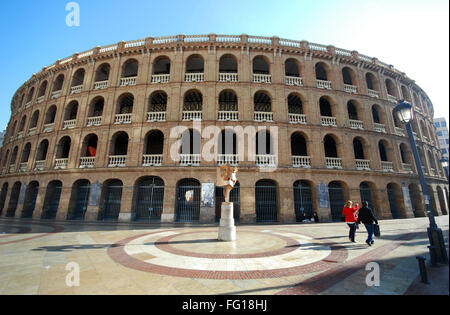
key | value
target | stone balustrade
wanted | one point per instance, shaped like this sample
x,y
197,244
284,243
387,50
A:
x,y
61,164
94,121
362,165
117,160
122,119
356,124
152,160
387,166
328,121
228,77
263,116
87,162
297,119
350,89
301,161
223,159
268,160
295,81
194,77
128,81
322,84
100,85
228,116
262,78
192,115
190,159
160,78
156,116
333,163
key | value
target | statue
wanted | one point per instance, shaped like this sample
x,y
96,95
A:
x,y
227,179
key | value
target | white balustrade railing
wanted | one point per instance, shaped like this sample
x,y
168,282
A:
x,y
122,119
61,163
350,89
223,159
12,168
301,161
32,131
362,165
94,121
317,47
399,131
333,162
48,127
322,84
194,77
356,124
266,160
297,81
39,165
27,105
260,40
40,99
128,81
387,166
190,159
87,162
76,89
56,94
23,167
69,124
262,78
328,121
379,128
228,77
19,134
263,116
100,85
117,161
160,78
433,172
297,119
407,167
373,93
192,115
152,160
156,116
392,98
228,116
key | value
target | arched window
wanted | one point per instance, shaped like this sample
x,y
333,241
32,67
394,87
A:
x,y
96,111
30,95
266,201
330,147
154,143
111,199
26,153
382,151
149,199
372,84
358,149
78,78
79,200
390,88
292,68
348,76
228,64
102,73
321,71
260,65
325,107
42,90
34,120
130,68
192,106
298,145
158,102
195,64
352,111
42,151
295,104
58,84
262,102
51,201
119,144
29,204
63,148
71,111
161,66
188,201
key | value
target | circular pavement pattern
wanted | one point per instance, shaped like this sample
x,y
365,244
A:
x,y
198,254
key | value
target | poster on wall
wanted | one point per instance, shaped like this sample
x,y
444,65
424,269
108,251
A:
x,y
207,195
322,195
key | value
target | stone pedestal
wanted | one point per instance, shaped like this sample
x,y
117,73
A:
x,y
227,229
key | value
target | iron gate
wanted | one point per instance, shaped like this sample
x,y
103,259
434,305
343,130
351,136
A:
x,y
112,202
366,195
149,201
303,202
336,194
52,202
188,202
266,202
392,202
13,200
81,203
235,198
30,201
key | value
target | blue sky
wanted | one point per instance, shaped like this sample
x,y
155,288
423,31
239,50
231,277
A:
x,y
410,34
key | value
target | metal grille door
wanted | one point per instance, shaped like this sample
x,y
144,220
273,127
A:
x,y
303,202
336,203
149,203
52,202
366,195
81,203
266,203
188,202
30,202
392,202
113,199
234,198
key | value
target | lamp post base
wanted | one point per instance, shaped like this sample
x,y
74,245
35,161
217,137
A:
x,y
438,252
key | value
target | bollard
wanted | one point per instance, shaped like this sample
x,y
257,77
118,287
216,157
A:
x,y
433,256
423,269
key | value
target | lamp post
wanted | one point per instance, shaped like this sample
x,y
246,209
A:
x,y
438,253
444,163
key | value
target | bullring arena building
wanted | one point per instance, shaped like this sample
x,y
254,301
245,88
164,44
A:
x,y
125,133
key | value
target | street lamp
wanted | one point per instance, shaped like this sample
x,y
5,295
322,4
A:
x,y
404,112
444,163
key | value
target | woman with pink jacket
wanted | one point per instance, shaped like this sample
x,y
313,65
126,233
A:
x,y
351,218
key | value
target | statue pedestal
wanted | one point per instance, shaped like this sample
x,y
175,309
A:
x,y
227,229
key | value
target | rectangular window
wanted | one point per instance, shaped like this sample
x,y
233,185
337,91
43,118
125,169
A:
x,y
439,133
443,124
444,151
437,125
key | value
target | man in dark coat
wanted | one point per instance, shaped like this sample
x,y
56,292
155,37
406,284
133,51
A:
x,y
366,216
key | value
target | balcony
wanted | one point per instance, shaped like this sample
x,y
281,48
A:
x,y
294,81
328,121
228,116
356,124
190,159
262,78
48,127
12,168
192,115
117,161
39,165
379,128
76,89
373,93
69,124
266,160
61,164
194,77
387,166
87,162
399,131
131,81
94,121
56,94
19,134
297,119
160,78
152,160
28,105
100,85
392,99
263,116
156,116
301,161
122,119
322,84
228,77
407,168
23,167
362,165
352,89
223,159
40,99
333,163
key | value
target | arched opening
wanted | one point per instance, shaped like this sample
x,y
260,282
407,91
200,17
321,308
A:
x,y
195,64
321,71
330,147
266,201
264,143
188,201
336,194
79,200
228,64
26,153
262,102
111,199
149,199
158,102
130,68
96,108
432,200
42,89
442,201
390,88
325,107
102,73
42,151
13,200
295,104
352,111
348,76
3,195
367,194
382,151
260,65
30,95
358,149
303,201
23,121
34,120
161,66
119,144
292,68
58,84
394,196
235,198
29,204
52,199
50,115
227,148
190,150
63,148
405,154
372,82
78,78
228,101
415,195
71,111
193,105
125,104
153,148
299,150
13,158
406,94
89,147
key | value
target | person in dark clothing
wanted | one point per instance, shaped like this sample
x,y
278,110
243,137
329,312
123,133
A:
x,y
367,218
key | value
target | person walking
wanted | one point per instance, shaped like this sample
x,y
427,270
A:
x,y
365,215
350,215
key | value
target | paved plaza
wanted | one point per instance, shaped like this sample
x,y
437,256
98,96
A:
x,y
42,257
